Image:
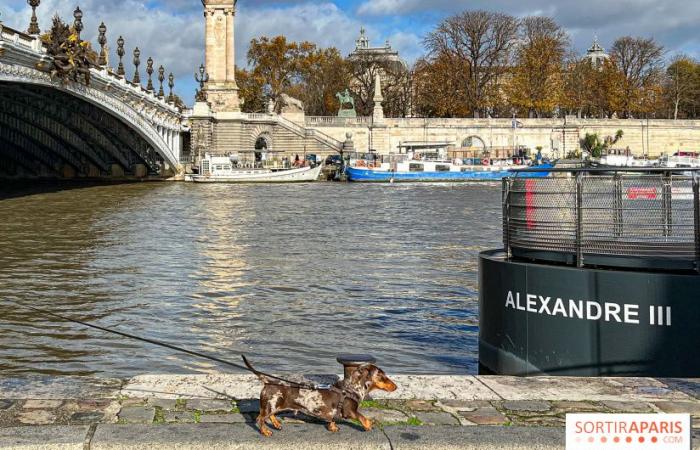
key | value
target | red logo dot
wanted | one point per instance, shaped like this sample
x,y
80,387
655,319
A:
x,y
628,440
616,440
641,439
654,440
603,439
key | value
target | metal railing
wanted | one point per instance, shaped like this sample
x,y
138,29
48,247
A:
x,y
637,218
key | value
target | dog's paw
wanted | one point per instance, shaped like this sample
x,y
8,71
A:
x,y
266,432
332,427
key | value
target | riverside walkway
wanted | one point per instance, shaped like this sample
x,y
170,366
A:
x,y
216,412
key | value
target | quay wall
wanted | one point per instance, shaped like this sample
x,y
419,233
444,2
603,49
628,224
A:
x,y
557,137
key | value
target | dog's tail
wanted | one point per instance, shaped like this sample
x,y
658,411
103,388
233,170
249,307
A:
x,y
250,367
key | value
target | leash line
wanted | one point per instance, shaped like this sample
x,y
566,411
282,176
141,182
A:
x,y
248,367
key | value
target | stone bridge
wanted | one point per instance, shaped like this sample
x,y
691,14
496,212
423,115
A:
x,y
65,129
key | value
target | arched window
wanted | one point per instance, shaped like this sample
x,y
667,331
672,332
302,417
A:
x,y
474,141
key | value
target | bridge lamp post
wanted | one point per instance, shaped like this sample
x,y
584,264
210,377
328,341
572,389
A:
x,y
202,78
102,40
137,63
120,53
171,85
161,78
78,24
34,23
149,71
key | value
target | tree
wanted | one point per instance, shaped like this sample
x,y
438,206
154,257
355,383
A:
x,y
537,82
321,74
640,62
595,147
478,46
276,61
682,86
395,78
250,88
437,92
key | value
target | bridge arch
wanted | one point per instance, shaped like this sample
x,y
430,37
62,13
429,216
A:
x,y
83,130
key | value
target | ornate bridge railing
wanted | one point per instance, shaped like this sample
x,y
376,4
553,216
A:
x,y
643,218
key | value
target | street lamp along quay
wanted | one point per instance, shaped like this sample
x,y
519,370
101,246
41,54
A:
x,y
120,53
34,23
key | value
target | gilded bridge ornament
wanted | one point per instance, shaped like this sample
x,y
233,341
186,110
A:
x,y
72,58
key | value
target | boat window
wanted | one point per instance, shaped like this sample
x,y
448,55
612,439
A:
x,y
442,168
415,168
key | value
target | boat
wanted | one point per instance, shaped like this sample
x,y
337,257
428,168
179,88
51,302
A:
x,y
434,167
221,169
682,159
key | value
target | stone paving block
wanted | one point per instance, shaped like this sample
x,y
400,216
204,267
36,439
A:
x,y
384,415
134,414
628,407
223,418
437,387
179,417
566,407
462,405
485,416
134,402
36,417
49,387
248,405
528,406
86,418
209,405
420,405
436,418
36,438
6,404
679,407
42,404
162,403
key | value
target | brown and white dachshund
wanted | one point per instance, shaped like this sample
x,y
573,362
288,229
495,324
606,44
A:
x,y
324,404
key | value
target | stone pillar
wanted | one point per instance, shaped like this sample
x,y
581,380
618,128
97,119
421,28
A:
x,y
221,90
378,111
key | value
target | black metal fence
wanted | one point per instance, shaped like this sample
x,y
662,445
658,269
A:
x,y
641,218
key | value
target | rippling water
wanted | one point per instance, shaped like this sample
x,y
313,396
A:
x,y
289,274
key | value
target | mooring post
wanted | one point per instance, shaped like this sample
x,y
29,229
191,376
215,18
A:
x,y
579,219
696,210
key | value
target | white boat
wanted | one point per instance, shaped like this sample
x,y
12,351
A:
x,y
687,160
220,169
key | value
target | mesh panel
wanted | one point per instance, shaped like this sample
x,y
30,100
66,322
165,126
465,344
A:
x,y
649,215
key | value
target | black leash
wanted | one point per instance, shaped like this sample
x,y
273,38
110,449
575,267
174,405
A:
x,y
248,367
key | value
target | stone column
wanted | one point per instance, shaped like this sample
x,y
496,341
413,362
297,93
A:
x,y
230,46
208,38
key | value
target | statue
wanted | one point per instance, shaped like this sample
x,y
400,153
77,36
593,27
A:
x,y
291,105
345,99
72,57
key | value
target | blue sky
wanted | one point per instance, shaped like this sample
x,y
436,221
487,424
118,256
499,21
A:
x,y
172,31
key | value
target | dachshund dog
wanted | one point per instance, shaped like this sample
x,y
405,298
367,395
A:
x,y
342,400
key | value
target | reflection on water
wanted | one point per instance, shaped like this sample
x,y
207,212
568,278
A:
x,y
289,274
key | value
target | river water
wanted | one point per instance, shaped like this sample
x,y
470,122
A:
x,y
291,275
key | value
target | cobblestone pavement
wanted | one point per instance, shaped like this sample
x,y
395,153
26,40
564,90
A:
x,y
493,401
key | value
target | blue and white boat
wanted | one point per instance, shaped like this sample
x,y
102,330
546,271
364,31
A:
x,y
410,168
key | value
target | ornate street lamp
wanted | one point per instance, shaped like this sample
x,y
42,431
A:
x,y
161,78
171,85
78,24
102,39
201,78
34,23
120,53
149,71
137,63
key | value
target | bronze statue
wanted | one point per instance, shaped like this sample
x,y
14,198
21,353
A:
x,y
72,57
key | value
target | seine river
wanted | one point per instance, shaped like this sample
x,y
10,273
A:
x,y
291,275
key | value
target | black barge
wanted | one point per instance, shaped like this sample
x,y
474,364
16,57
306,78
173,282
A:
x,y
599,275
